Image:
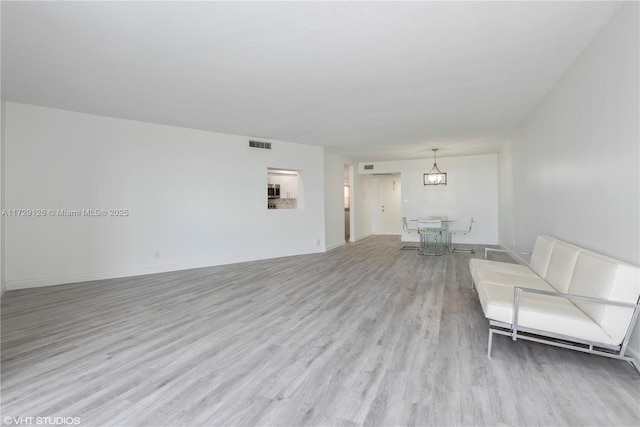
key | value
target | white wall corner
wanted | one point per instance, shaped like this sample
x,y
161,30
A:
x,y
3,283
334,226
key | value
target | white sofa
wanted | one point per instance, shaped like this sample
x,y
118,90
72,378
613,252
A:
x,y
567,296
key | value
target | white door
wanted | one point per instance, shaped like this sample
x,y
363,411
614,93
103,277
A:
x,y
390,196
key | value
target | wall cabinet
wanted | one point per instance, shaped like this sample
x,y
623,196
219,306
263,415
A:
x,y
288,184
273,179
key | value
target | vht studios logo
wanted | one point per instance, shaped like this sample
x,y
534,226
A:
x,y
41,421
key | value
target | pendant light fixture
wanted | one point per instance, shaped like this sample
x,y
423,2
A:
x,y
435,175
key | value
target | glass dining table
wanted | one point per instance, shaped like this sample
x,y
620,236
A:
x,y
425,229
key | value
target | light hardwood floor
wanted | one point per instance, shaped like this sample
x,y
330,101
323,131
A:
x,y
366,334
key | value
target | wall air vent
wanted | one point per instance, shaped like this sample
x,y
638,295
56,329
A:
x,y
260,144
368,167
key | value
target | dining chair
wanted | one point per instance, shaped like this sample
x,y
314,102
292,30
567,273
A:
x,y
463,232
405,227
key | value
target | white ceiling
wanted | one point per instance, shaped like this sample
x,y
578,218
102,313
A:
x,y
368,80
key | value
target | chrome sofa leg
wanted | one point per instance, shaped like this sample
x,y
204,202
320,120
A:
x,y
490,342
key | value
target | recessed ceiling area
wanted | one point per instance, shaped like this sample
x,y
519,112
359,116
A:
x,y
368,80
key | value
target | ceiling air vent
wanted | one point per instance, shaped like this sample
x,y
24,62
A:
x,y
260,144
368,167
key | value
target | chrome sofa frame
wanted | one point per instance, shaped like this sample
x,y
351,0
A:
x,y
516,331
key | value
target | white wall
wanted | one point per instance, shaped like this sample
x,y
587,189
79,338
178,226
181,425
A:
x,y
195,198
506,226
2,281
576,158
334,199
3,285
471,191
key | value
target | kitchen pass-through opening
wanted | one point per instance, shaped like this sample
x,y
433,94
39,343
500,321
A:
x,y
285,189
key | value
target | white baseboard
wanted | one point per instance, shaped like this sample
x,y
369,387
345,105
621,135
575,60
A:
x,y
130,272
414,238
334,246
362,236
517,257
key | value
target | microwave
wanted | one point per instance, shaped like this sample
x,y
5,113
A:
x,y
273,191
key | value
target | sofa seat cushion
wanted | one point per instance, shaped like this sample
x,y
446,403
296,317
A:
x,y
542,312
476,265
512,280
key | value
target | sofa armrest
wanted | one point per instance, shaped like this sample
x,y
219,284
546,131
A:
x,y
486,250
519,289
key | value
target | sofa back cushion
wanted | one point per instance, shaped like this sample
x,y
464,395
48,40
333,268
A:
x,y
599,276
561,265
541,254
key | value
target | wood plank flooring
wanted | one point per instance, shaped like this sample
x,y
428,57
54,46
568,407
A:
x,y
366,334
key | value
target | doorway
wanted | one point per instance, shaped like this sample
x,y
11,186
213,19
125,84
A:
x,y
387,212
347,202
